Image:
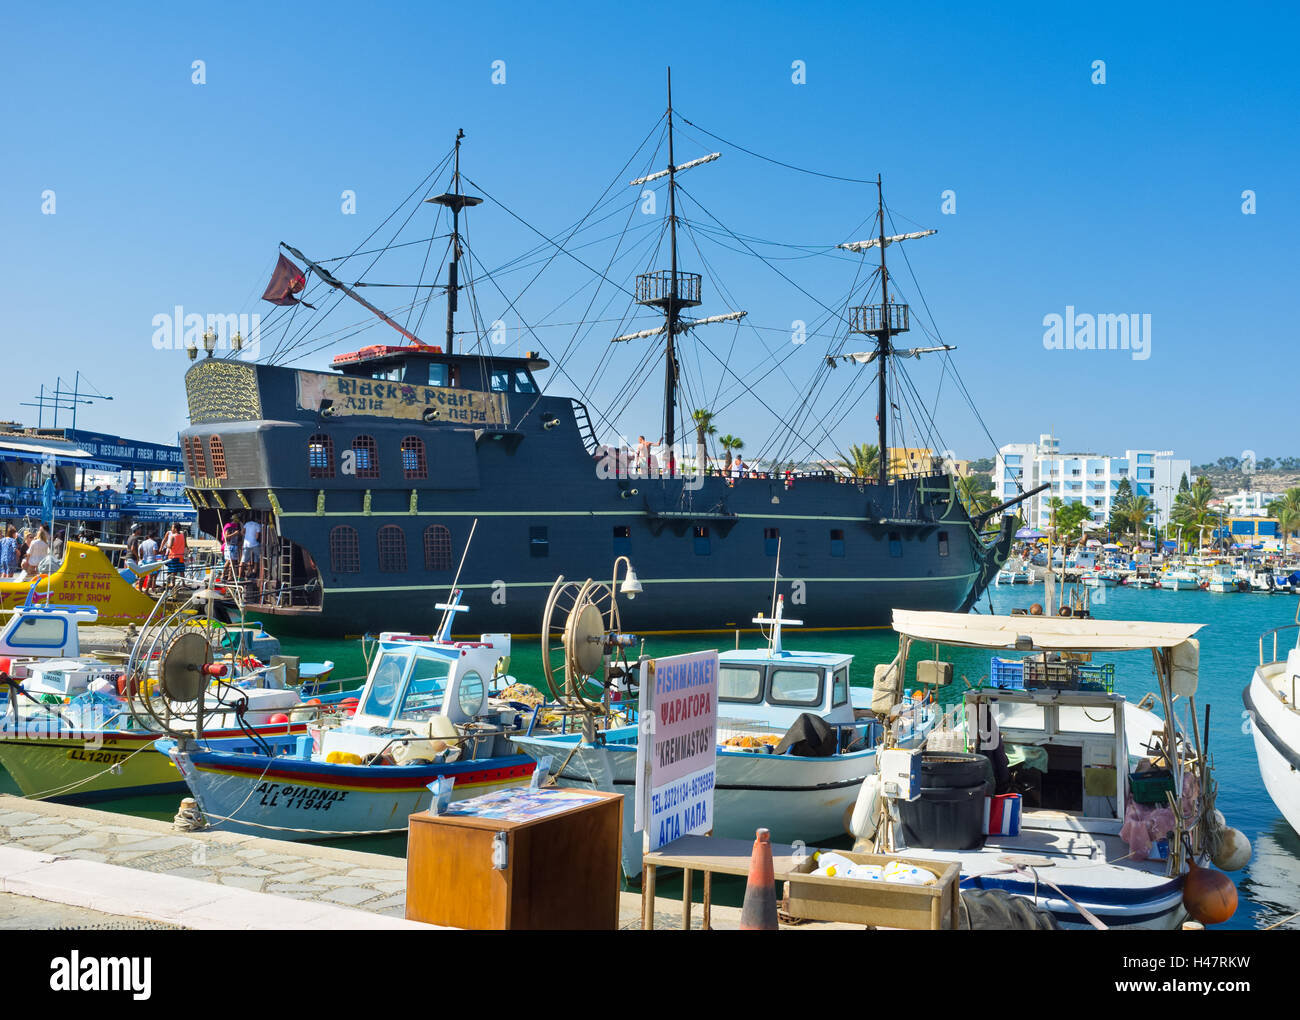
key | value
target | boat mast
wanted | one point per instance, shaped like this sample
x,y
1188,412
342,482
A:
x,y
454,201
882,346
670,308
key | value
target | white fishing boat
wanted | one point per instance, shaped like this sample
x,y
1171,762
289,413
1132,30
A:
x,y
1180,580
1102,579
1270,698
763,780
1079,761
1223,580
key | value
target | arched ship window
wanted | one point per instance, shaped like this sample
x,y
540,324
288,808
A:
x,y
413,462
392,549
437,548
345,553
943,543
320,456
200,462
367,456
217,452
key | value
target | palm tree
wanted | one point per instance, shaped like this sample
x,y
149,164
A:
x,y
1135,515
1288,523
703,429
1192,508
975,494
729,443
863,461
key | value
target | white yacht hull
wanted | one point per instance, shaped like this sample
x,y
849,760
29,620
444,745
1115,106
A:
x,y
1276,730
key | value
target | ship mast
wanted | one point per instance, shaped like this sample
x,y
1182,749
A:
x,y
670,310
454,201
882,321
673,290
882,345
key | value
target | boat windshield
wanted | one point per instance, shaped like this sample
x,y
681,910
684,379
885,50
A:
x,y
385,682
426,689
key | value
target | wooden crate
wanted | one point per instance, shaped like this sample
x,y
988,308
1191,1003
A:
x,y
562,870
880,904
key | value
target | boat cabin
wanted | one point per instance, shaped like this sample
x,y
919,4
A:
x,y
427,365
1068,751
44,631
427,689
774,689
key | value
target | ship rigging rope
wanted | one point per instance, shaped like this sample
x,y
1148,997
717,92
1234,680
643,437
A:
x,y
771,159
283,349
947,355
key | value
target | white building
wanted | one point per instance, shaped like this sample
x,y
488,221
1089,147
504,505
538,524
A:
x,y
1250,504
1090,478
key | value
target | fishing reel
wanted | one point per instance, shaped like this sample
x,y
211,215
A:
x,y
584,653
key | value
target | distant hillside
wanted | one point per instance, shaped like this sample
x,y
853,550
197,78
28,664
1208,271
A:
x,y
1226,482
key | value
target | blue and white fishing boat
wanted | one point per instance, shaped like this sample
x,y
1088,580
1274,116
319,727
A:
x,y
762,694
1076,755
426,712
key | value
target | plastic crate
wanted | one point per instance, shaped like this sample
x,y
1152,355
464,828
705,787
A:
x,y
1069,676
1007,674
1097,677
1151,787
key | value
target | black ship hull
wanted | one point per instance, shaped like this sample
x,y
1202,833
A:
x,y
375,548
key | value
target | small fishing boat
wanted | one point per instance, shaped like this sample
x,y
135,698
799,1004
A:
x,y
762,695
427,712
1180,580
1270,700
1102,579
1223,580
76,728
1081,824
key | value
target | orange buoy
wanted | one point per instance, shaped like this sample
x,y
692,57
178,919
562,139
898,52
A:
x,y
1209,895
279,717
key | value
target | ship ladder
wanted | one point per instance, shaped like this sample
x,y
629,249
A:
x,y
284,590
585,429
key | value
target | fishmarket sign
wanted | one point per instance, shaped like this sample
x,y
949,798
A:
x,y
380,398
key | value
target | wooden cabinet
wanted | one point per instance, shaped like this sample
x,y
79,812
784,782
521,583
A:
x,y
561,869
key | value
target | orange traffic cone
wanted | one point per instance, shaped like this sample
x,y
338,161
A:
x,y
759,911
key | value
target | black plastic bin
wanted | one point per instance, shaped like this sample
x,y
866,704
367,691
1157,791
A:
x,y
950,812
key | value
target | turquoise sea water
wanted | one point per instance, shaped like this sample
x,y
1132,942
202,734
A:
x,y
1268,888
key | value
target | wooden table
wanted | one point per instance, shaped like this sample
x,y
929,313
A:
x,y
562,868
712,856
888,904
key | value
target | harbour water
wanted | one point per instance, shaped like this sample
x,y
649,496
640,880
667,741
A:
x,y
1268,888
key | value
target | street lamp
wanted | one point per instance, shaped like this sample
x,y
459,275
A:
x,y
631,587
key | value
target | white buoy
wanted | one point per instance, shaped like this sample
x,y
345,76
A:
x,y
1234,851
866,813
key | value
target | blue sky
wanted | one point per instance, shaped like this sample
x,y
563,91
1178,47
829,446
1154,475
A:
x,y
1117,198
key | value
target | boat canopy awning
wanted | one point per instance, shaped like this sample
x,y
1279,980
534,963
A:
x,y
1048,633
